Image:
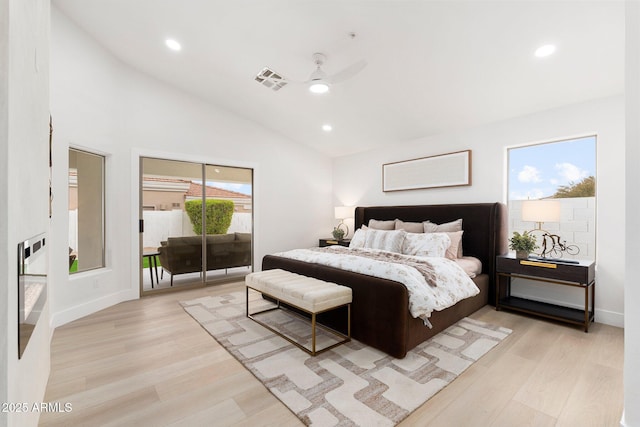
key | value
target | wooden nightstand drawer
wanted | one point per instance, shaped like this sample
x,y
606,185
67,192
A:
x,y
584,272
331,242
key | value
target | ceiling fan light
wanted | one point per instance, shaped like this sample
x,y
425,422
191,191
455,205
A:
x,y
319,86
173,45
545,50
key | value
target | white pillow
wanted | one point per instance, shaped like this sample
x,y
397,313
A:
x,y
426,244
387,240
448,227
359,238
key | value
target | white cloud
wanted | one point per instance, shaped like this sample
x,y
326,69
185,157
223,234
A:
x,y
570,172
529,174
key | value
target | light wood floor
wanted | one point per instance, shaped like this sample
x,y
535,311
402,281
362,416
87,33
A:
x,y
147,362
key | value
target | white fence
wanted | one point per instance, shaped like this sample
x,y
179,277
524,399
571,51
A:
x,y
158,225
577,224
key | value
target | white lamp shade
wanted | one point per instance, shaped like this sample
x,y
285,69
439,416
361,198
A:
x,y
541,210
342,212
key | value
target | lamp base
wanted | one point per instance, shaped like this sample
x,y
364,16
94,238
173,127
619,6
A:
x,y
345,227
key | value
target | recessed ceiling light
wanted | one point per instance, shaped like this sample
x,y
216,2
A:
x,y
545,50
327,128
173,45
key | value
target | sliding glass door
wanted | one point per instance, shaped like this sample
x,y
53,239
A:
x,y
196,223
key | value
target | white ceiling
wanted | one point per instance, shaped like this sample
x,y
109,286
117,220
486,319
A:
x,y
433,66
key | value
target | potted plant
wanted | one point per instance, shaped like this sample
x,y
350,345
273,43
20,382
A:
x,y
338,233
523,244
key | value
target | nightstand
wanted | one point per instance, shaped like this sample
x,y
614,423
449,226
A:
x,y
331,242
580,276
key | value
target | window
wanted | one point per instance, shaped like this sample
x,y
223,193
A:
x,y
86,211
564,171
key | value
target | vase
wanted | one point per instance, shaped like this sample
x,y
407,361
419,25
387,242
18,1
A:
x,y
522,254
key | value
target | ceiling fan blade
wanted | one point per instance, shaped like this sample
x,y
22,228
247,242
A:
x,y
348,72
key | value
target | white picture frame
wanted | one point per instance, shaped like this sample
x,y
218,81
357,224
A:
x,y
442,170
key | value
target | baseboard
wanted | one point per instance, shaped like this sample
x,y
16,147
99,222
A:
x,y
90,307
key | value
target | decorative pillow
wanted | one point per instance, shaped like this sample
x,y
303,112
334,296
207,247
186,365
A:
x,y
409,227
387,240
430,227
454,251
426,244
359,238
382,225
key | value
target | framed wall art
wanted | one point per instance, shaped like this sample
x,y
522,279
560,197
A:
x,y
443,170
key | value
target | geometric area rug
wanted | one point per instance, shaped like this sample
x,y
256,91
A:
x,y
351,384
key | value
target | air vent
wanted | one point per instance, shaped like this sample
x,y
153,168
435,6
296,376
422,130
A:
x,y
269,78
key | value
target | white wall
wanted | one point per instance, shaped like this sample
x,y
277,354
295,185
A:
x,y
631,416
102,105
4,204
358,178
24,211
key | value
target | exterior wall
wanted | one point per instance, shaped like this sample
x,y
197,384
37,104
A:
x,y
163,200
577,224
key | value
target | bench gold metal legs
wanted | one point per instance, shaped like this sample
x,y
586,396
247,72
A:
x,y
314,324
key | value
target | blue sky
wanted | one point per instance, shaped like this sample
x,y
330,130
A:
x,y
240,188
537,171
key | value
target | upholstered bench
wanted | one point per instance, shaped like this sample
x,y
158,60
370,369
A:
x,y
307,294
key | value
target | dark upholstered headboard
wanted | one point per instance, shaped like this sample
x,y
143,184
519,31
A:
x,y
484,225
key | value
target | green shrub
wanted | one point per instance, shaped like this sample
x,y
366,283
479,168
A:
x,y
218,214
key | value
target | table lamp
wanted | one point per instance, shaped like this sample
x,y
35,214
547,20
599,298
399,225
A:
x,y
541,211
342,213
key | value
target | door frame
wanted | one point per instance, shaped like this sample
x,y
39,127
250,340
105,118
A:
x,y
136,197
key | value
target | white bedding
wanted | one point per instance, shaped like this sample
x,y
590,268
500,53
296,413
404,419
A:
x,y
453,283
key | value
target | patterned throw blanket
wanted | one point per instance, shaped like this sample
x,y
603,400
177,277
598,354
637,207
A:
x,y
424,266
433,283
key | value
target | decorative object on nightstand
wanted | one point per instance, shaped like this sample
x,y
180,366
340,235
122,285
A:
x,y
338,233
540,211
342,213
523,244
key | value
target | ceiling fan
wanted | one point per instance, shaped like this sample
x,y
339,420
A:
x,y
318,82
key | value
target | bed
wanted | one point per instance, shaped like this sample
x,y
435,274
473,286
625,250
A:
x,y
380,314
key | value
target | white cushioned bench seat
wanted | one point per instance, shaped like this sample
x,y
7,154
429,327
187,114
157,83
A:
x,y
308,294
